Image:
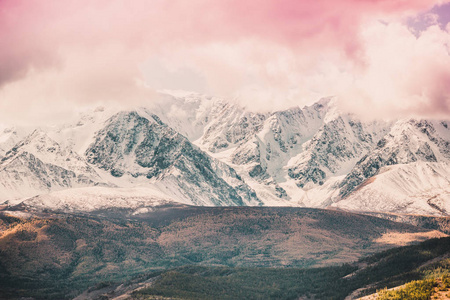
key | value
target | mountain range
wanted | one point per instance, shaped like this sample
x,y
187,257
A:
x,y
199,150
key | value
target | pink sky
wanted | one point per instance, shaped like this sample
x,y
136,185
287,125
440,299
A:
x,y
391,56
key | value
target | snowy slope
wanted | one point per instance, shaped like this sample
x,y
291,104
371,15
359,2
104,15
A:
x,y
419,187
97,198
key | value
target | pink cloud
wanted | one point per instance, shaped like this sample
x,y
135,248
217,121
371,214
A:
x,y
32,31
93,49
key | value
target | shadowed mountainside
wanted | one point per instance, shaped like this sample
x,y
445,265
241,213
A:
x,y
428,262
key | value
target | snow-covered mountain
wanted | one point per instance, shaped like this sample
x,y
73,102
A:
x,y
202,150
139,145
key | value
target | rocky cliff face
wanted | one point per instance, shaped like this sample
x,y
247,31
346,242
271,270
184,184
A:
x,y
143,146
336,146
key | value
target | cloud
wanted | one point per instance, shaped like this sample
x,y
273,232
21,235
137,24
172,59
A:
x,y
405,75
57,55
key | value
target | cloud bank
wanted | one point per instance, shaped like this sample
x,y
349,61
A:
x,y
387,57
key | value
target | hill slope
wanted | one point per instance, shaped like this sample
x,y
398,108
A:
x,y
56,254
428,260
